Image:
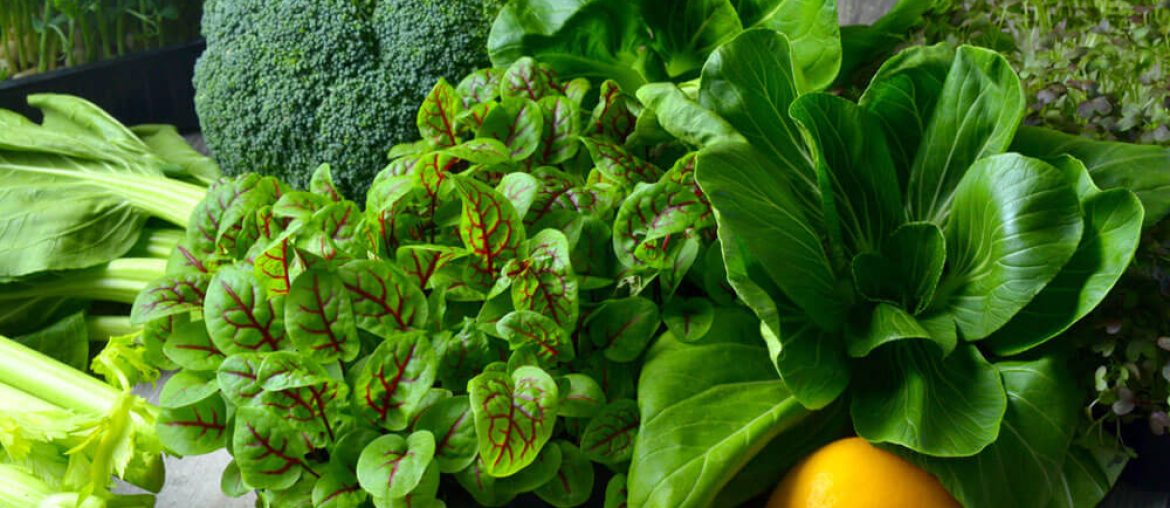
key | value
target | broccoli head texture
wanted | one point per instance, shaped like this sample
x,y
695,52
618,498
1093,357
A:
x,y
286,85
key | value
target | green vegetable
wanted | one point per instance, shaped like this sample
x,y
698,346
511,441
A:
x,y
913,248
284,87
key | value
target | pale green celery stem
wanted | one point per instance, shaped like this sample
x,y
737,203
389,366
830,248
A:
x,y
52,381
119,281
161,243
101,328
19,489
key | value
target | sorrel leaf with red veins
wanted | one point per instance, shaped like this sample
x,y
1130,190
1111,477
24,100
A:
x,y
436,117
463,355
337,230
539,472
394,380
689,319
283,370
187,387
453,425
562,124
189,346
317,411
622,328
546,284
516,122
514,417
481,151
618,165
616,492
422,261
170,295
299,206
650,224
321,183
239,378
581,396
392,466
547,339
269,451
489,226
573,483
520,189
612,118
385,300
240,315
479,87
276,266
609,437
338,488
526,79
485,489
194,429
320,318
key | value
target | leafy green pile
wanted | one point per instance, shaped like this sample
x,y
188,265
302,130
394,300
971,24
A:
x,y
482,316
1088,66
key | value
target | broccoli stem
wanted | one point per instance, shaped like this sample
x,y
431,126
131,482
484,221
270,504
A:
x,y
119,281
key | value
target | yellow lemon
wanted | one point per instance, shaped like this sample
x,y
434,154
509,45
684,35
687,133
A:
x,y
851,473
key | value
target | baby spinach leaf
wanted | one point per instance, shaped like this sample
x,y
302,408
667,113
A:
x,y
318,411
394,380
453,425
612,119
514,417
422,261
190,347
573,483
268,450
392,466
623,328
526,79
239,314
320,318
609,437
194,429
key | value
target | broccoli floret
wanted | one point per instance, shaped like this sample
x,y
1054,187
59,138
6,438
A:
x,y
285,85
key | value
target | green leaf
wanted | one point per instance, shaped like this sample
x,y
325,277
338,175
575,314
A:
x,y
394,380
489,226
536,474
609,437
421,262
453,425
190,347
481,151
479,87
314,410
573,483
562,123
527,79
238,378
612,118
166,142
187,387
863,44
276,266
683,117
337,488
650,224
520,189
66,341
689,31
436,116
756,204
810,26
284,370
689,319
392,466
623,327
196,428
979,107
462,355
546,284
514,417
1026,461
1145,170
581,396
230,483
909,395
907,270
859,185
170,295
268,450
525,328
486,489
618,165
1090,471
320,318
321,183
889,323
616,492
240,315
683,461
385,300
518,123
1015,222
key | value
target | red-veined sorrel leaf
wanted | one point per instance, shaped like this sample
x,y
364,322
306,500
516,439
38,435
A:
x,y
514,417
432,397
679,263
573,483
581,396
337,230
547,284
650,224
434,174
481,151
170,295
486,489
526,79
394,380
520,189
228,200
240,315
472,119
593,256
316,411
558,140
462,355
688,319
576,90
436,117
321,183
553,193
237,221
239,378
616,379
385,300
611,117
392,466
616,492
490,228
194,429
337,488
623,327
350,445
479,87
609,437
276,266
283,370
525,355
423,495
618,165
269,451
516,122
187,387
231,483
320,319
422,261
187,259
550,342
189,346
539,472
453,425
385,192
299,206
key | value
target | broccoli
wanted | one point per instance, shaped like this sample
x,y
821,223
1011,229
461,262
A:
x,y
286,85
